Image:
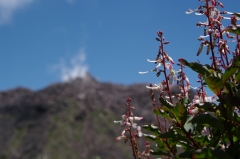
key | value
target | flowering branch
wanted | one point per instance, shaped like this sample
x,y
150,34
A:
x,y
205,126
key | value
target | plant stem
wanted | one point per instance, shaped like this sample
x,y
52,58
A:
x,y
132,138
226,122
154,105
210,35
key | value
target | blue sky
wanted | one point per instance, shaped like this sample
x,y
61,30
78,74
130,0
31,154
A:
x,y
48,41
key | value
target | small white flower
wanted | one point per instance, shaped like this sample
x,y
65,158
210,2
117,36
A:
x,y
159,87
192,11
120,121
151,60
236,14
204,36
177,145
198,14
131,119
134,125
151,136
210,99
154,70
138,118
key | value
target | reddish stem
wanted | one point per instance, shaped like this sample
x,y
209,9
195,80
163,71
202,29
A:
x,y
155,107
132,138
210,35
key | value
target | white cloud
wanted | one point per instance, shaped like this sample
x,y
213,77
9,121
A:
x,y
8,7
76,67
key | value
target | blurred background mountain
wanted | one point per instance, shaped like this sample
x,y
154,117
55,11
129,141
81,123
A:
x,y
71,120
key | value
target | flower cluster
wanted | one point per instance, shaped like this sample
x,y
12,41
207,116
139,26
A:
x,y
131,130
129,123
214,30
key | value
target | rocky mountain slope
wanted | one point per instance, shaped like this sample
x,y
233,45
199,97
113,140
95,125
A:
x,y
71,120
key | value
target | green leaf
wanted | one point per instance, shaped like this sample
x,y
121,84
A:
x,y
160,152
210,153
184,62
212,78
163,113
167,110
231,70
151,137
214,82
237,76
188,126
228,73
186,154
174,135
161,145
235,139
206,120
168,134
201,140
234,30
214,141
185,100
236,61
233,150
152,128
236,119
207,106
197,67
166,103
180,112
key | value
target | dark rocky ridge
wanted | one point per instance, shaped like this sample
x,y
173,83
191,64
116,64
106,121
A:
x,y
71,120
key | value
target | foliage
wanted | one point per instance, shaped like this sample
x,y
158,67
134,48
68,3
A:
x,y
205,126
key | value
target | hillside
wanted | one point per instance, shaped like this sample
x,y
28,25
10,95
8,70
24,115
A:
x,y
71,120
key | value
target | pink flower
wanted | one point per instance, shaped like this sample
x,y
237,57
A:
x,y
204,131
193,110
122,136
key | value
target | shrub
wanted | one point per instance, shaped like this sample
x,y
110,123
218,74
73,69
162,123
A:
x,y
205,126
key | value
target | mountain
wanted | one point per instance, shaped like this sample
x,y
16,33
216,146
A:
x,y
72,120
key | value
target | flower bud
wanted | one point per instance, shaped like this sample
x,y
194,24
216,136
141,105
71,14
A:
x,y
128,99
167,42
160,33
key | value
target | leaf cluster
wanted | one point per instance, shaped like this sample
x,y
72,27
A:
x,y
185,137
